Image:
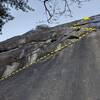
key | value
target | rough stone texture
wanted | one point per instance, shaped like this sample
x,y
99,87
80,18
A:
x,y
71,74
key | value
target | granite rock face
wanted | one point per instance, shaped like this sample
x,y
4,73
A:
x,y
70,74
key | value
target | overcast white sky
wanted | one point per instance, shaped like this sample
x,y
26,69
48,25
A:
x,y
24,22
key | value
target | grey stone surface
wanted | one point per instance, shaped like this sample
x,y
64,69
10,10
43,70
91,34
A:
x,y
71,74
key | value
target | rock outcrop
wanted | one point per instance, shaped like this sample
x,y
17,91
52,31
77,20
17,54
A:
x,y
56,63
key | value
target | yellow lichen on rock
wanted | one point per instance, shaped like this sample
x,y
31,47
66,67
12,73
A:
x,y
86,18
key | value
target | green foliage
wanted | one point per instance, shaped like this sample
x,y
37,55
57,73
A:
x,y
7,5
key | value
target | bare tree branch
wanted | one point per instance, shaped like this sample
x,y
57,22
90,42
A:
x,y
47,10
52,12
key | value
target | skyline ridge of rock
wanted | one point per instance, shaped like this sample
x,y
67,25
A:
x,y
71,74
